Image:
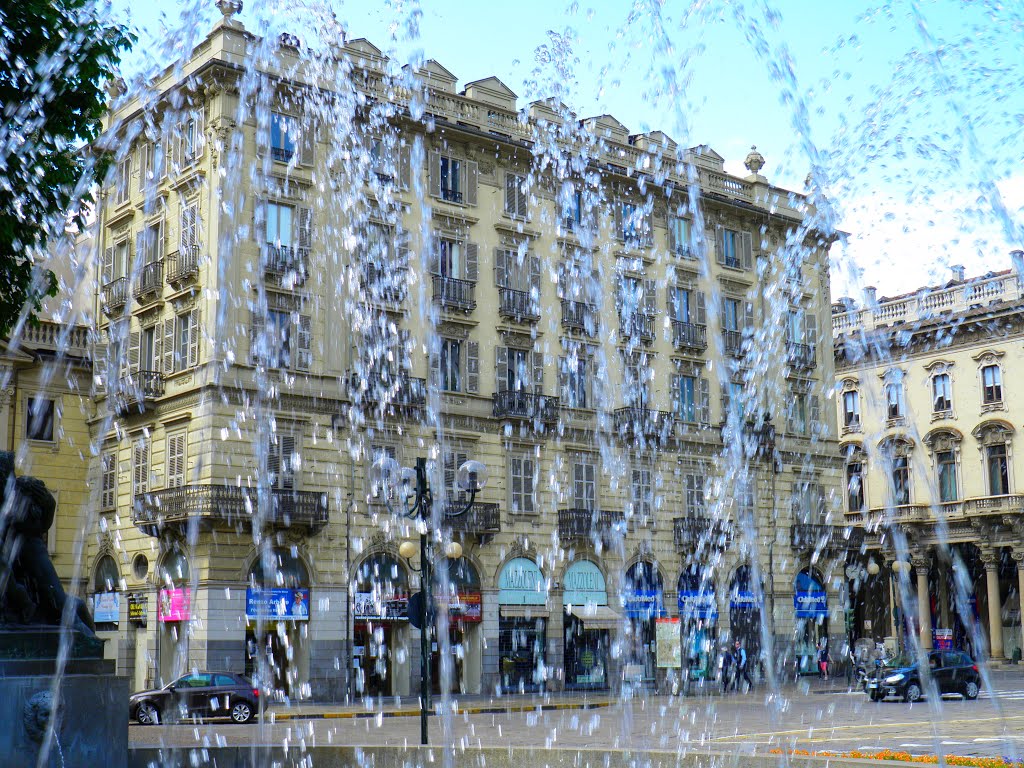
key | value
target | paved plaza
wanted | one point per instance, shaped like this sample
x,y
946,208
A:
x,y
809,715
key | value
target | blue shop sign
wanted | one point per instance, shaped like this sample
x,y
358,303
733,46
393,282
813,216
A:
x,y
810,605
277,603
695,604
744,600
643,604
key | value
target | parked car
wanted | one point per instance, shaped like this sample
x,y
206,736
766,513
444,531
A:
x,y
200,694
950,671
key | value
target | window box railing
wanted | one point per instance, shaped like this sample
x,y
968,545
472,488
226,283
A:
x,y
733,262
282,155
454,293
823,537
150,279
517,305
385,286
406,391
579,316
801,355
482,518
689,335
530,406
228,507
583,523
638,325
637,421
733,342
285,259
695,532
139,389
115,295
183,264
451,195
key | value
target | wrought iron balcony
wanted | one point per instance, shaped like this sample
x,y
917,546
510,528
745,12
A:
x,y
583,523
529,406
226,506
283,260
139,389
800,355
638,325
517,305
825,538
183,264
689,336
637,421
388,287
389,392
733,342
579,316
695,532
482,519
454,293
149,281
115,295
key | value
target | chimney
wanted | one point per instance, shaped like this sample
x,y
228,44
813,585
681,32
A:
x,y
1017,259
958,272
870,295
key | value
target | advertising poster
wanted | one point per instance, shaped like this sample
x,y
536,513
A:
x,y
372,605
466,606
944,639
174,604
106,607
138,609
277,604
669,643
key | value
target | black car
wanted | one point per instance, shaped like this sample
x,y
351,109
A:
x,y
950,671
200,694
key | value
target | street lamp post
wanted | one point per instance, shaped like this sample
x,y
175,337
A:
x,y
417,503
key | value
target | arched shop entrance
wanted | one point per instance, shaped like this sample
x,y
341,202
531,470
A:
x,y
173,613
745,604
106,598
589,625
457,585
522,625
810,603
381,625
642,603
698,621
276,620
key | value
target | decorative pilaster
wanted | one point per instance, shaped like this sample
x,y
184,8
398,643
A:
x,y
990,559
924,603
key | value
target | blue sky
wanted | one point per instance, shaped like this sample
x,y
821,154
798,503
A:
x,y
927,176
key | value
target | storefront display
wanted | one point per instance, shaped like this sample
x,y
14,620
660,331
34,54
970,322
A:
x,y
522,625
457,586
138,609
745,606
642,605
810,606
589,623
381,613
698,625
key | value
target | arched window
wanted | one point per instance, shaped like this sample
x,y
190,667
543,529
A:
x,y
849,417
286,570
108,575
995,439
990,371
174,570
941,379
895,397
944,446
855,460
896,455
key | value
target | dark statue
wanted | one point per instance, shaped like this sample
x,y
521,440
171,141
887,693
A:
x,y
30,590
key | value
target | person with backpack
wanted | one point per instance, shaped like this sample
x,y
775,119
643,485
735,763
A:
x,y
742,668
727,661
823,660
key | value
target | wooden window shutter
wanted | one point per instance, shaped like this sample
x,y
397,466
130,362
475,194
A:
x,y
405,166
305,216
815,414
259,222
140,467
193,338
538,372
500,369
435,255
676,393
791,414
748,317
304,344
472,262
472,367
140,249
593,382
287,446
671,300
199,116
256,338
746,250
470,169
168,361
522,198
501,257
402,239
720,245
650,297
702,311
108,265
704,401
811,332
450,466
155,362
134,351
434,361
434,174
159,252
619,230
307,143
175,460
563,380
535,278
673,245
726,401
510,193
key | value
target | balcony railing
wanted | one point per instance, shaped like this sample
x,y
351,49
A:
x,y
482,518
994,503
517,305
801,355
115,295
582,523
403,391
385,286
228,506
638,325
52,336
281,154
579,316
139,389
696,533
689,335
529,406
149,280
818,536
454,293
733,342
638,421
451,195
183,264
286,259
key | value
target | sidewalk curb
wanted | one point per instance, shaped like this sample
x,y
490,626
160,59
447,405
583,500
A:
x,y
274,717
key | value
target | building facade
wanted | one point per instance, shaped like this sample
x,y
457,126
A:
x,y
311,264
926,407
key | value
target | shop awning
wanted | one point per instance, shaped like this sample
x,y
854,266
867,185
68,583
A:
x,y
596,616
524,611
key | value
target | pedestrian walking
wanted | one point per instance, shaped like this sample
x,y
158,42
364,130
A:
x,y
823,660
739,654
727,662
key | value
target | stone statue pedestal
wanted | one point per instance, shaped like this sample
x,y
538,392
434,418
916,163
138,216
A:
x,y
91,725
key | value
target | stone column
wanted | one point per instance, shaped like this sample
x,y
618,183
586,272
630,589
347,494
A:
x,y
990,558
924,603
1018,556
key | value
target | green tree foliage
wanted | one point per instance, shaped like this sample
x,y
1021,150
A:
x,y
55,56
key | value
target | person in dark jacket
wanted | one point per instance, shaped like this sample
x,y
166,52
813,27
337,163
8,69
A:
x,y
742,666
727,660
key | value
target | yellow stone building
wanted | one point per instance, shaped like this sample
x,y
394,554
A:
x,y
925,402
310,263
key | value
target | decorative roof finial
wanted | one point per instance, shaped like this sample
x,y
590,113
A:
x,y
229,8
754,161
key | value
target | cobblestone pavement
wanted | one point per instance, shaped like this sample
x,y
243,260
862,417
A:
x,y
807,716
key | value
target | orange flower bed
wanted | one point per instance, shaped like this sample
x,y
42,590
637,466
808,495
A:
x,y
906,757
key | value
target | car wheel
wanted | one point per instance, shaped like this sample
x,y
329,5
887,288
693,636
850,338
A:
x,y
971,690
241,712
912,693
147,714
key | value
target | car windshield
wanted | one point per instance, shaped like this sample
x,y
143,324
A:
x,y
901,660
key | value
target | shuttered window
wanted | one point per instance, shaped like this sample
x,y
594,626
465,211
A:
x,y
516,196
281,461
283,340
679,237
452,179
523,482
694,490
453,459
108,480
122,189
140,466
642,489
577,377
176,459
584,483
188,235
734,248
